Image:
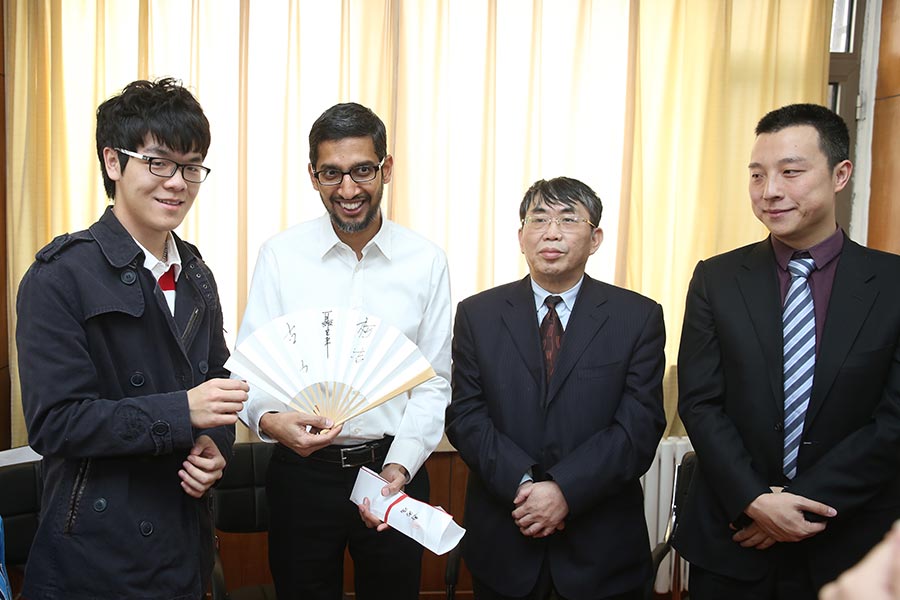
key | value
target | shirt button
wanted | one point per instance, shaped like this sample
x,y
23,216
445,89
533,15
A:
x,y
146,528
160,428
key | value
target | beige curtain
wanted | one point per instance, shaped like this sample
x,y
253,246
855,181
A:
x,y
704,72
481,98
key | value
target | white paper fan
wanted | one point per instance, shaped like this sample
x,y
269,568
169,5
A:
x,y
334,362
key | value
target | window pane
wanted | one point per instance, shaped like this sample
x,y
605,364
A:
x,y
841,24
834,96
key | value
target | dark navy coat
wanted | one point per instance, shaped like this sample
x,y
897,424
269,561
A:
x,y
105,371
593,428
731,400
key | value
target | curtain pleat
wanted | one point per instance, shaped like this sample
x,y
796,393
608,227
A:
x,y
651,103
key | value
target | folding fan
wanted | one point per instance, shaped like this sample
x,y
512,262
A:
x,y
334,362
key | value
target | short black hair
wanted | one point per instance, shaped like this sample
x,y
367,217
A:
x,y
834,138
345,121
162,108
563,191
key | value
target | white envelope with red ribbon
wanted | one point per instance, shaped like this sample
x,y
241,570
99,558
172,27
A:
x,y
429,525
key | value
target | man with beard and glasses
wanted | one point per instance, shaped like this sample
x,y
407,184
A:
x,y
352,257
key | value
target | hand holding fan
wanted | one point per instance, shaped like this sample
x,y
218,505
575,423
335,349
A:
x,y
334,362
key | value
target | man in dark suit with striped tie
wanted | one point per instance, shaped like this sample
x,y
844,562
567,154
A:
x,y
557,410
789,381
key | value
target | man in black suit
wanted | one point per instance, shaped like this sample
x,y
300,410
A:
x,y
557,440
789,381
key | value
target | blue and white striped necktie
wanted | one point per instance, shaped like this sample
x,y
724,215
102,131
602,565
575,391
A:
x,y
799,323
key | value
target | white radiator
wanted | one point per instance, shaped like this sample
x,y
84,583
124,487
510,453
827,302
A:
x,y
658,486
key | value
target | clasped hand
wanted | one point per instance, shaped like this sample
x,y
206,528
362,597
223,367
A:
x,y
778,517
540,508
202,468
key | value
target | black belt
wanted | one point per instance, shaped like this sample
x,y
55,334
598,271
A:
x,y
349,456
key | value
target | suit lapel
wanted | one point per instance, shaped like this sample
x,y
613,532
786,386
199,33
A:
x,y
520,320
852,296
758,284
586,320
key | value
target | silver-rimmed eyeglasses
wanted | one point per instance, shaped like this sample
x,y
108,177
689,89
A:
x,y
164,167
541,223
359,174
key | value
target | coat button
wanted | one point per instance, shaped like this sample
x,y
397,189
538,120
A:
x,y
128,277
160,428
203,366
779,426
146,528
137,379
100,504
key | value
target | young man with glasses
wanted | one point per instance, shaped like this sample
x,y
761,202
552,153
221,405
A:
x,y
121,354
557,411
355,258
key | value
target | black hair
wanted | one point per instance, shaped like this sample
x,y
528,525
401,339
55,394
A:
x,y
563,191
164,109
344,121
834,139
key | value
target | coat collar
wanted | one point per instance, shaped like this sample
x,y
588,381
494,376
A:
x,y
758,283
119,247
588,317
122,253
521,322
852,295
114,240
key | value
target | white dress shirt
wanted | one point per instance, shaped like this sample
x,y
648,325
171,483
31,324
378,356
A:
x,y
159,268
563,309
403,279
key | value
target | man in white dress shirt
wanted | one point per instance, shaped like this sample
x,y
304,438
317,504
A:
x,y
354,258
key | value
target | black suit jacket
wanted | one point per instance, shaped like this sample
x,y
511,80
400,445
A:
x,y
731,401
595,438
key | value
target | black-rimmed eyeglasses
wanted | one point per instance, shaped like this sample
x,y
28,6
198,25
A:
x,y
359,174
164,167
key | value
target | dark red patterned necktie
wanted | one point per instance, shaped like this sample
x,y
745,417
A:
x,y
551,334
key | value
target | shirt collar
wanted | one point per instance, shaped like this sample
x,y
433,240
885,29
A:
x,y
822,253
158,267
329,240
568,297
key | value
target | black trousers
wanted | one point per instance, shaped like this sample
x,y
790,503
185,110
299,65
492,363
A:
x,y
789,580
544,589
312,521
